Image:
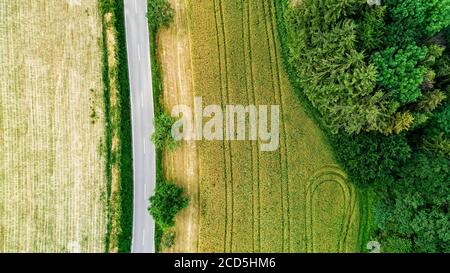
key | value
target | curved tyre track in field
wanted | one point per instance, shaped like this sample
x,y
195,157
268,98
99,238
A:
x,y
330,174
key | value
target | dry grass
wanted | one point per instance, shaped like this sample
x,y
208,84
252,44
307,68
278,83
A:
x,y
52,175
111,46
180,166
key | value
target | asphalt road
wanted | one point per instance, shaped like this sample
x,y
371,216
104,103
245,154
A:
x,y
144,155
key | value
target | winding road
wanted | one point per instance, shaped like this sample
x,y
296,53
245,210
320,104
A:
x,y
144,155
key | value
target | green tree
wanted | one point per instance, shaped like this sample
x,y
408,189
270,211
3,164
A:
x,y
333,73
396,245
434,53
400,71
439,143
371,158
160,13
162,137
371,28
166,203
431,100
416,19
436,138
443,120
414,205
442,68
400,123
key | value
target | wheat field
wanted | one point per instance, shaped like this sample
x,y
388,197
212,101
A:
x,y
52,169
295,199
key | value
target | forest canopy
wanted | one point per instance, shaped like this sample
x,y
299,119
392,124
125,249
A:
x,y
378,74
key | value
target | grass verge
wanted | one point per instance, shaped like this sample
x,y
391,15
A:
x,y
157,93
118,129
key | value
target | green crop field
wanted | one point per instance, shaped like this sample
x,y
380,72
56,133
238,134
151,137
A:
x,y
296,199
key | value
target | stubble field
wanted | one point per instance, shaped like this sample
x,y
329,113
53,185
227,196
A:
x,y
52,173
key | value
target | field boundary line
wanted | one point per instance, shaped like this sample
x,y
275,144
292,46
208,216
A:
x,y
350,214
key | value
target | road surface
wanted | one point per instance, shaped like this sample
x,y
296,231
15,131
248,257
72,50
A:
x,y
144,161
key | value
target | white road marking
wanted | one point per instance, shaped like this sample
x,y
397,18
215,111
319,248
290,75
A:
x,y
145,191
145,148
135,5
143,237
139,52
142,101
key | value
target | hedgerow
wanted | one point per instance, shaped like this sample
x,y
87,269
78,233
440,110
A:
x,y
160,13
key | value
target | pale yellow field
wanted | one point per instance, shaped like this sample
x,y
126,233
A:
x,y
52,169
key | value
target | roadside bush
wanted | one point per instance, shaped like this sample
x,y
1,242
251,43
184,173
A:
x,y
166,203
160,13
168,239
162,137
